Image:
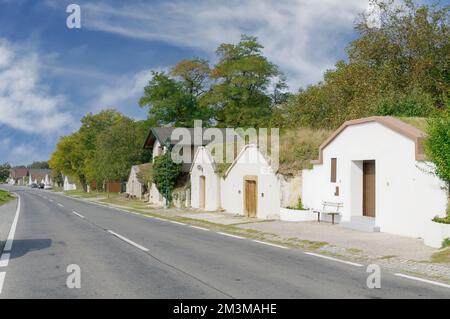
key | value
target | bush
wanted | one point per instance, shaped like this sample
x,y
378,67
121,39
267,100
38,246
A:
x,y
442,220
300,204
165,174
446,243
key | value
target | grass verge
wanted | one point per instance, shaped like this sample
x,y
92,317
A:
x,y
5,197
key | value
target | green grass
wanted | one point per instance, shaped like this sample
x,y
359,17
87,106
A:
x,y
442,256
81,193
5,197
120,200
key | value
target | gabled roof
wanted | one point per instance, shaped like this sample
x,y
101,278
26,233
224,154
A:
x,y
247,146
392,123
19,172
208,153
164,135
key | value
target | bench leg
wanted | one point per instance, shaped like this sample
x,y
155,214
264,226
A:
x,y
332,219
318,217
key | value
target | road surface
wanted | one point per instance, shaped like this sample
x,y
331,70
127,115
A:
x,y
124,255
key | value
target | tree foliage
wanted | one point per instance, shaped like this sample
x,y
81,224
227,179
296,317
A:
x,y
437,144
397,68
240,91
104,148
39,165
4,172
165,174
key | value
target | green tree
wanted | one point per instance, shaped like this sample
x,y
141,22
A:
x,y
398,68
68,158
437,144
173,98
39,165
118,148
165,174
4,172
240,94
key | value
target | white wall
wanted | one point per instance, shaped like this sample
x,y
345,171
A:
x,y
406,196
134,187
251,163
68,186
155,196
212,182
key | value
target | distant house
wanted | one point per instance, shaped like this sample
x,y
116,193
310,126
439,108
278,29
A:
x,y
376,167
135,186
17,175
69,185
40,176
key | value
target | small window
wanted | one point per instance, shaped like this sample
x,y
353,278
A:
x,y
333,170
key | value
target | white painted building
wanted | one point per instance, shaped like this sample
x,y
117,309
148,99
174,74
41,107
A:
x,y
134,187
205,182
377,168
251,187
68,184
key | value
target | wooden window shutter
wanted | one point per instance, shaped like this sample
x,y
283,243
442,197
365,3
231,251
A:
x,y
333,170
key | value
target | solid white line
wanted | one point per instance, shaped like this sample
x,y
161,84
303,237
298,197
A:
x,y
335,259
269,244
178,223
423,280
2,280
60,205
201,228
12,231
4,259
79,215
128,241
229,235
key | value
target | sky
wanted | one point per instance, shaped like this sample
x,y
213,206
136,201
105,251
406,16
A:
x,y
50,75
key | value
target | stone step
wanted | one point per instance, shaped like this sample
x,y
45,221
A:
x,y
361,225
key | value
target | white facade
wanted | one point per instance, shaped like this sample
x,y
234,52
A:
x,y
407,194
251,164
68,186
205,196
134,187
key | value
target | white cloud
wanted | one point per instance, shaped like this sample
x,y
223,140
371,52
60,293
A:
x,y
301,36
122,93
25,104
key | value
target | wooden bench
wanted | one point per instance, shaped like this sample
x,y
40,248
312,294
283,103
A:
x,y
329,208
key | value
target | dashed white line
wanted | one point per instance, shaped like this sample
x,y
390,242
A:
x,y
79,215
335,259
229,235
201,228
60,205
2,280
128,241
4,259
423,280
269,244
178,223
51,200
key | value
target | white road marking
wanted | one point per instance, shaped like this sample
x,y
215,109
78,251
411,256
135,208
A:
x,y
2,280
128,241
51,200
60,205
79,215
229,235
4,259
269,244
178,223
423,280
12,231
335,259
201,228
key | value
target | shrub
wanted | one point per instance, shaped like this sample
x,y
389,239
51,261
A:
x,y
165,174
446,243
442,220
300,204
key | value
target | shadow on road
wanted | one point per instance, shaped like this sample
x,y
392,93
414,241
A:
x,y
23,246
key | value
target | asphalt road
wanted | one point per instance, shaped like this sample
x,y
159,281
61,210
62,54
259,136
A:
x,y
123,255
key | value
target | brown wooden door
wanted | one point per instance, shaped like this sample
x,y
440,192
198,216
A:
x,y
369,188
250,198
202,192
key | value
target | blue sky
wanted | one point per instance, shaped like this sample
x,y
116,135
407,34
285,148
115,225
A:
x,y
50,76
